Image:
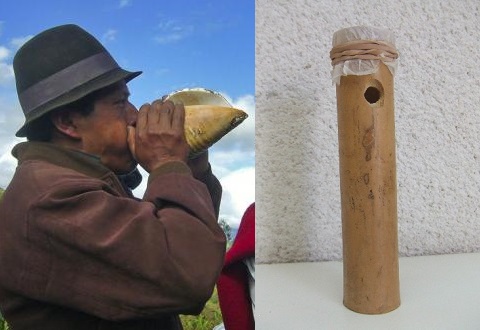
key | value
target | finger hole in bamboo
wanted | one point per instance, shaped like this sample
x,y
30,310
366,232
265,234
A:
x,y
374,93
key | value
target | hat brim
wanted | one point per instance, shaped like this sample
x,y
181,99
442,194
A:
x,y
75,94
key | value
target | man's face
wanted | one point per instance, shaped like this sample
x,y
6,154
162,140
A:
x,y
104,131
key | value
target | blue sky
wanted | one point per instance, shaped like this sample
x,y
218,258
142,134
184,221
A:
x,y
177,44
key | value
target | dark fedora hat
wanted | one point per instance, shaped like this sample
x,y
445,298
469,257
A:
x,y
59,66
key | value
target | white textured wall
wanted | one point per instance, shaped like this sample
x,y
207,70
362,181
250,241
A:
x,y
437,107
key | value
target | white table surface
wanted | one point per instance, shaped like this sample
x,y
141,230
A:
x,y
437,292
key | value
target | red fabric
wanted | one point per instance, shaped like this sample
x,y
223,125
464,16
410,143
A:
x,y
232,286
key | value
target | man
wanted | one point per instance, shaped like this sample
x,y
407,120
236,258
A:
x,y
77,251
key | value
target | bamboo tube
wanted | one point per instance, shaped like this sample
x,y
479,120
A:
x,y
366,134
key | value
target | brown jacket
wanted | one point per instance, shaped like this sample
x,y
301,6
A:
x,y
77,253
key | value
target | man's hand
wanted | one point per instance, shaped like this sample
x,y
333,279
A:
x,y
159,135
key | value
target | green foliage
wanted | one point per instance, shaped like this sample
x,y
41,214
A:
x,y
3,324
208,318
226,229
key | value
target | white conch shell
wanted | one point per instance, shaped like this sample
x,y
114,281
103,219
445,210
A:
x,y
208,117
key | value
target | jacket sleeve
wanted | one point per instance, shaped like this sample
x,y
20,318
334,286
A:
x,y
119,258
214,188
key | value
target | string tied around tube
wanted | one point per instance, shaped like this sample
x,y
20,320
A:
x,y
363,50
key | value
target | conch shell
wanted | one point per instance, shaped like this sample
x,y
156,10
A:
x,y
208,117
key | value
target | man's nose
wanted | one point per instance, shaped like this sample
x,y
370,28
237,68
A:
x,y
131,115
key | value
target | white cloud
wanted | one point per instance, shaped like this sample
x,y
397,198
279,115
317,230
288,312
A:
x,y
19,42
7,162
6,73
125,3
6,68
238,194
226,161
4,53
110,35
241,137
11,118
172,31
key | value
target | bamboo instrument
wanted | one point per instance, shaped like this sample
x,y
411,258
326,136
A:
x,y
208,117
366,134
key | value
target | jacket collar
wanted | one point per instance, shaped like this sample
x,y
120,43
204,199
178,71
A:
x,y
76,160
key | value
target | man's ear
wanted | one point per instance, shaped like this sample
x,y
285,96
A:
x,y
64,121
